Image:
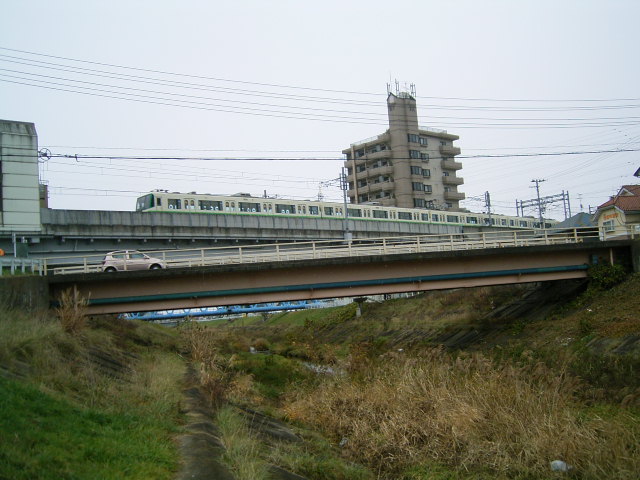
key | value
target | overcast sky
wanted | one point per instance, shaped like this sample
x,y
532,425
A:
x,y
303,80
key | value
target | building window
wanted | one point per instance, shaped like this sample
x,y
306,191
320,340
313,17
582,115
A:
x,y
427,188
423,140
426,172
361,168
447,189
414,154
362,183
608,226
445,174
349,171
360,153
416,170
418,202
362,199
417,187
448,205
443,143
424,156
413,138
430,204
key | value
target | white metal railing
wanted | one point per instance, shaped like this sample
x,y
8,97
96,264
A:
x,y
245,254
13,266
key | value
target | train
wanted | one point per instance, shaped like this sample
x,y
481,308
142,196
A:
x,y
245,204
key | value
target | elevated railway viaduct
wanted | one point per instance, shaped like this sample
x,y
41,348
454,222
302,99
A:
x,y
89,231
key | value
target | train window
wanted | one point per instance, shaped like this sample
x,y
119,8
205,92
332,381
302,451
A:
x,y
174,203
503,221
354,212
380,214
404,215
226,206
280,208
328,210
158,201
453,219
435,217
209,205
303,209
512,223
249,207
339,211
472,220
145,203
314,210
523,223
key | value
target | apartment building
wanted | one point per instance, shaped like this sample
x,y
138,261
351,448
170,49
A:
x,y
406,166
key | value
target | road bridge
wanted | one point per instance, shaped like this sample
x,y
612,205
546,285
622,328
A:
x,y
354,270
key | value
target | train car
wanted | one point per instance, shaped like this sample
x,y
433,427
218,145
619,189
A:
x,y
245,204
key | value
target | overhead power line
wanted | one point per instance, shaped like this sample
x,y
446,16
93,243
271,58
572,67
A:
x,y
276,85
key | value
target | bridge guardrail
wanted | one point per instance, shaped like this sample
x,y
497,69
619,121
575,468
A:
x,y
13,266
337,249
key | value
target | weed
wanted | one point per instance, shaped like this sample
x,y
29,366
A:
x,y
72,311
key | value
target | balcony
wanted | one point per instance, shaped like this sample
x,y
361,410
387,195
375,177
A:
x,y
454,196
449,150
448,164
451,180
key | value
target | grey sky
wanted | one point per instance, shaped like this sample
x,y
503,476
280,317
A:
x,y
339,57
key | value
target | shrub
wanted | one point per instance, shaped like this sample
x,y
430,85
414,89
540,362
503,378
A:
x,y
605,276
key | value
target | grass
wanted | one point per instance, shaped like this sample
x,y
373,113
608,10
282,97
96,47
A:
x,y
99,401
50,438
468,414
243,453
540,391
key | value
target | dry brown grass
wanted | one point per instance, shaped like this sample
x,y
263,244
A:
x,y
468,413
216,375
72,311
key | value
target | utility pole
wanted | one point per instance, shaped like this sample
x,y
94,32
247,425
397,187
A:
x,y
344,185
538,182
487,203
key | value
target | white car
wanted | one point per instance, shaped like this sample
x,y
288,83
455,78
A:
x,y
128,260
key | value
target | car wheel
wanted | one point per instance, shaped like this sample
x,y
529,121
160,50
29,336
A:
x,y
110,269
155,266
